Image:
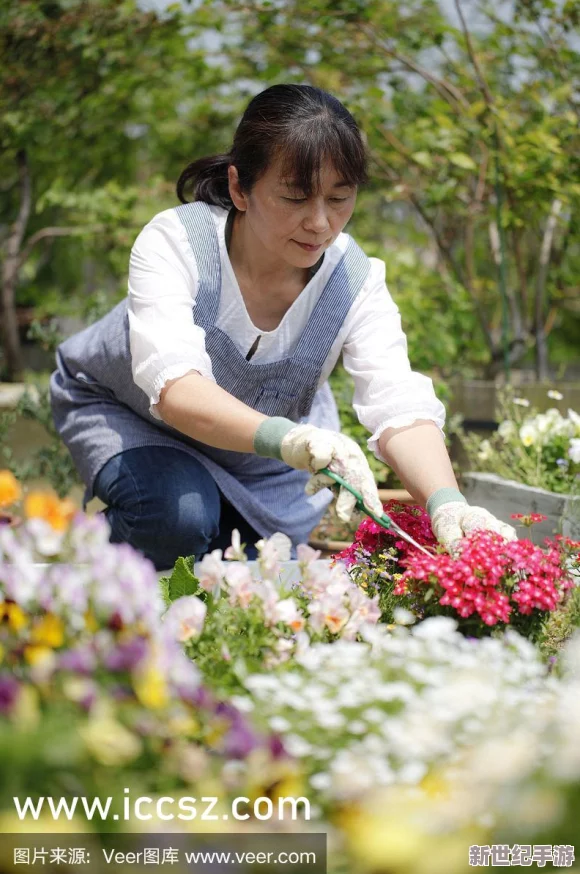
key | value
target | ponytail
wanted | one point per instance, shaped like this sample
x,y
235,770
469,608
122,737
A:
x,y
207,179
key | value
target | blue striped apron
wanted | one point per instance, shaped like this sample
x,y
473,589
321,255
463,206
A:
x,y
99,411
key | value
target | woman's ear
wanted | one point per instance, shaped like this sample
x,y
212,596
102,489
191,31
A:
x,y
236,194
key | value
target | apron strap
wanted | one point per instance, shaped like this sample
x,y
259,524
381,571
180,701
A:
x,y
198,221
331,310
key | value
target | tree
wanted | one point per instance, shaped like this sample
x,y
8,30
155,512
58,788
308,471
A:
x,y
82,84
472,122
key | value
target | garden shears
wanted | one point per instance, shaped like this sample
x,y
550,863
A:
x,y
384,521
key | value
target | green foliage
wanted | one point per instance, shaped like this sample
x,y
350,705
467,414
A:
x,y
100,100
245,640
182,581
473,131
559,626
51,462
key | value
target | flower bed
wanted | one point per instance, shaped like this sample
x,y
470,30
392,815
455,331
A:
x,y
400,728
530,464
488,583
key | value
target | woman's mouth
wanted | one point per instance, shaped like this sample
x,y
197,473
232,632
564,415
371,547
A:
x,y
307,247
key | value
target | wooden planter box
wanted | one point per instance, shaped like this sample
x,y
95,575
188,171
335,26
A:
x,y
503,497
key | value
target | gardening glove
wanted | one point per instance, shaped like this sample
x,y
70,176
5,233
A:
x,y
307,447
453,518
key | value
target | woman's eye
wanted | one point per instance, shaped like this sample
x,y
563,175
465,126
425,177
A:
x,y
339,199
295,199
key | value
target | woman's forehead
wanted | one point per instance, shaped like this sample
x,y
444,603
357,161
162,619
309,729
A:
x,y
325,176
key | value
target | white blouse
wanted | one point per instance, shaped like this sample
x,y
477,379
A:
x,y
166,343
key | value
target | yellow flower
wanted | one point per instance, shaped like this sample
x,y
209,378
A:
x,y
435,786
1,653
150,687
15,616
10,490
48,631
182,725
26,712
91,623
109,742
44,505
36,655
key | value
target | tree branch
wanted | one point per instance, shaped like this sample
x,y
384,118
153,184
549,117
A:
x,y
473,57
16,235
544,261
515,310
442,86
45,233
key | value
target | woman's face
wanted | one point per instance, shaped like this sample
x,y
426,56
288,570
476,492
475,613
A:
x,y
287,224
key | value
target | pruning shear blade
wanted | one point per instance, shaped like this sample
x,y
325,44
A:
x,y
384,521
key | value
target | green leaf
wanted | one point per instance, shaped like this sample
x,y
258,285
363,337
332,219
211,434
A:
x,y
182,581
164,586
423,158
460,159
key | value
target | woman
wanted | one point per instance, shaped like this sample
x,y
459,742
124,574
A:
x,y
200,403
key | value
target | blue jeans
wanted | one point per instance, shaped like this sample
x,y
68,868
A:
x,y
165,504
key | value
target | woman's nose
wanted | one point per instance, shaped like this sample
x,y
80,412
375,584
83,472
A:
x,y
317,219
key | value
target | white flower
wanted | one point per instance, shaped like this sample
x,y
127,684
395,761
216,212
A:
x,y
185,618
435,627
529,434
278,723
305,554
48,541
575,419
403,616
543,423
555,395
522,402
271,552
485,450
574,450
235,552
507,429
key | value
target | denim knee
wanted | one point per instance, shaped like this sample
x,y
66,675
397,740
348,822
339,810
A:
x,y
162,502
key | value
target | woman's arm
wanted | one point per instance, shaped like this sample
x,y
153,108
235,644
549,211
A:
x,y
418,455
198,407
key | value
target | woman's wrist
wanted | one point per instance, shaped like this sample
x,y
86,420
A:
x,y
269,435
442,496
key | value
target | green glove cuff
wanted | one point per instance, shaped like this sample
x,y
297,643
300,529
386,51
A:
x,y
268,438
444,496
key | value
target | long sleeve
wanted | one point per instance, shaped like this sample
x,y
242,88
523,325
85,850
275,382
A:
x,y
387,392
164,339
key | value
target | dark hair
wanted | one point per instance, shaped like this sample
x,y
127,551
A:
x,y
302,125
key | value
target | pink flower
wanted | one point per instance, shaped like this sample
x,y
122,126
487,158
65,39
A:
x,y
287,611
185,618
210,571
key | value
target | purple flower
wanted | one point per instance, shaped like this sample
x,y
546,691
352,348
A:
x,y
126,656
200,697
81,660
9,690
240,740
227,710
276,746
